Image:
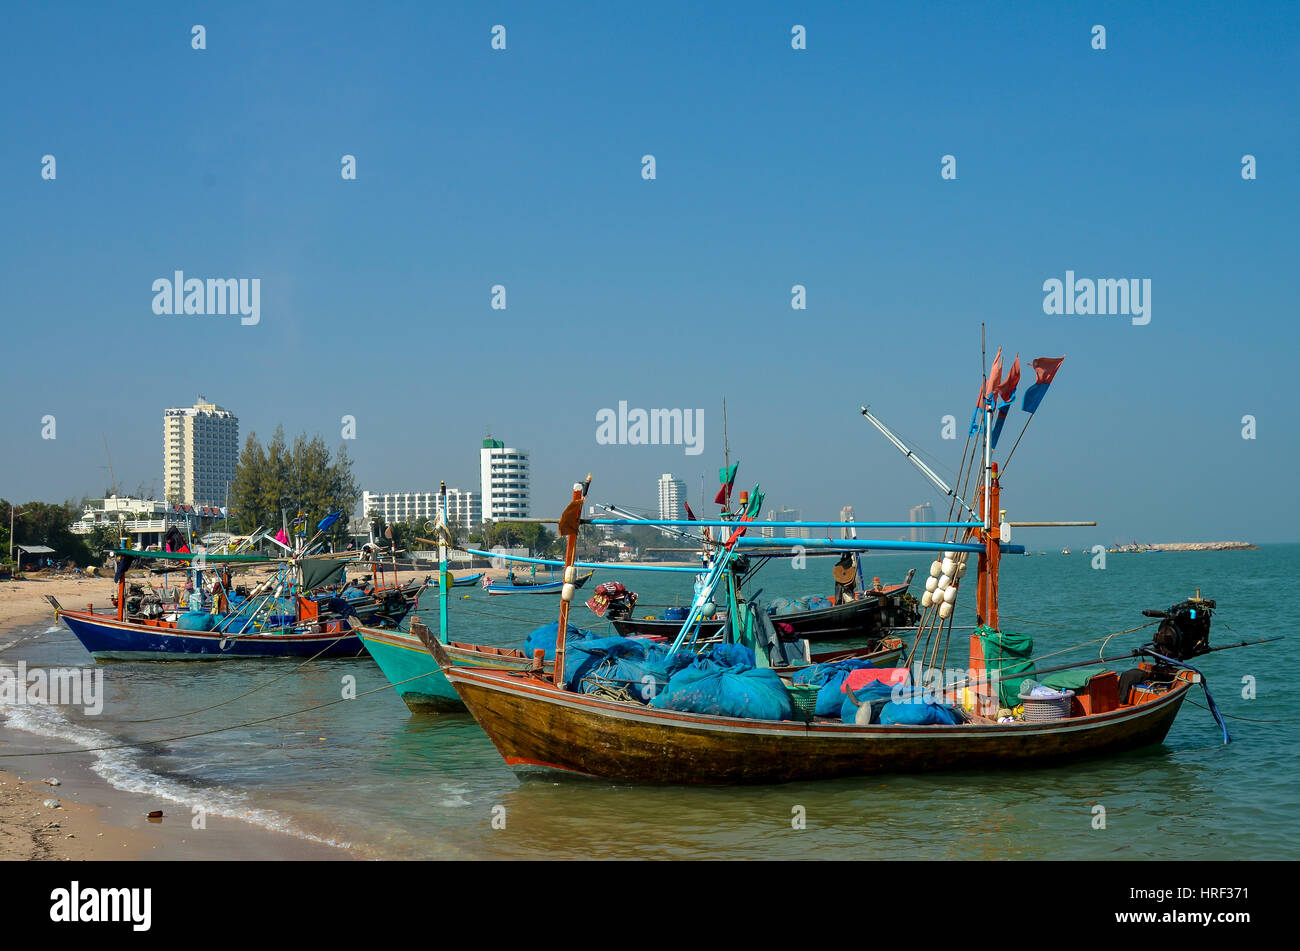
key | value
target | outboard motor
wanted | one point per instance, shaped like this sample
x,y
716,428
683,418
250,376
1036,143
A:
x,y
1184,630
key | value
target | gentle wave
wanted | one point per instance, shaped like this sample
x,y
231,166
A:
x,y
120,770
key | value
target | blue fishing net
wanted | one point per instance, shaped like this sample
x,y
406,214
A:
x,y
752,692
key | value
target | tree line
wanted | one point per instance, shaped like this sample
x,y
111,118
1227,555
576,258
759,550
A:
x,y
302,477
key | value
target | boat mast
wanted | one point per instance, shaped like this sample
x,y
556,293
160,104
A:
x,y
568,527
444,578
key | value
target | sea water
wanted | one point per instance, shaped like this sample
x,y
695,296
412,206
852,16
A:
x,y
369,774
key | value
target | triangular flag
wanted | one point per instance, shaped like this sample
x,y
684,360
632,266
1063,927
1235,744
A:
x,y
1045,370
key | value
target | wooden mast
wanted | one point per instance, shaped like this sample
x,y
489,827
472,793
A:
x,y
568,527
444,579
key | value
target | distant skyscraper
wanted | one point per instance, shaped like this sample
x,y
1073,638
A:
x,y
672,493
503,475
922,513
769,532
791,515
846,515
200,450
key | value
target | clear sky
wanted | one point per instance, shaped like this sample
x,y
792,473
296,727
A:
x,y
774,167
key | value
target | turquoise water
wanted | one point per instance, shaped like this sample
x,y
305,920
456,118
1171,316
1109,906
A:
x,y
393,784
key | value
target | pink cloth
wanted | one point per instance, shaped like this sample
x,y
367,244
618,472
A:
x,y
857,679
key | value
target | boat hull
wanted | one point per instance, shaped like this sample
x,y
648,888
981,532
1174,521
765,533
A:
x,y
416,676
107,638
539,729
630,627
864,618
547,587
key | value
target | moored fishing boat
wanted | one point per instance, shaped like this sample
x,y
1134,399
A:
x,y
542,724
516,586
294,612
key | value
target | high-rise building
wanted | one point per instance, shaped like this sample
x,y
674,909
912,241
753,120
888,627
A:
x,y
464,508
200,451
672,494
503,475
769,532
846,515
790,515
922,513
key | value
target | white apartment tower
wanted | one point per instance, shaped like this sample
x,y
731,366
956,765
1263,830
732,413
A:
x,y
672,494
420,507
200,450
503,480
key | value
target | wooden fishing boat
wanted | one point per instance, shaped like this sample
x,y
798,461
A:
x,y
534,587
540,725
542,729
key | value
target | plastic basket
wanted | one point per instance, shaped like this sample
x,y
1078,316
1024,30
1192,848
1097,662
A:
x,y
803,698
1038,709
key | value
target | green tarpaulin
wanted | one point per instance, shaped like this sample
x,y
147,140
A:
x,y
1071,679
322,572
1010,654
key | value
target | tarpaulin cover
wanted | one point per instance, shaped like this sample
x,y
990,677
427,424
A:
x,y
546,635
857,679
1011,654
752,692
917,711
830,677
875,693
1071,679
321,572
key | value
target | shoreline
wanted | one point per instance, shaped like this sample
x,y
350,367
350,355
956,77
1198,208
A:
x,y
96,820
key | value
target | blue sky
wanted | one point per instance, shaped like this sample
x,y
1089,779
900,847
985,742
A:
x,y
775,167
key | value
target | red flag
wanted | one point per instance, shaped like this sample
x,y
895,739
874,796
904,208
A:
x,y
689,514
995,375
994,380
1045,368
1007,391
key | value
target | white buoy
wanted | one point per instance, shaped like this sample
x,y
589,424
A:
x,y
709,609
949,566
945,610
926,598
931,584
570,574
961,569
936,568
944,581
567,592
949,595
